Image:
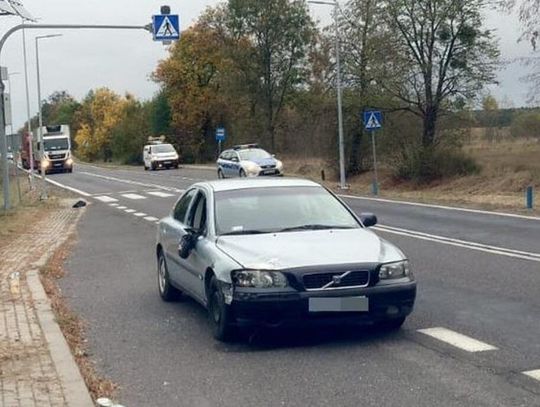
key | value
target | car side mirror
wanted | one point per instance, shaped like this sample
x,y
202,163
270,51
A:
x,y
368,219
187,244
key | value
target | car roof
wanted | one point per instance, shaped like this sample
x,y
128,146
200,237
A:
x,y
243,183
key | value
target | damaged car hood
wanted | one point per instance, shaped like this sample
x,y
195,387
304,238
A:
x,y
277,251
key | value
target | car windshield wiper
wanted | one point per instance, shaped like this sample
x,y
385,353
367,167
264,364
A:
x,y
315,227
245,232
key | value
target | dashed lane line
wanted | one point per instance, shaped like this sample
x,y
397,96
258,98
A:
x,y
160,194
140,214
114,205
121,207
533,374
151,219
135,197
105,199
130,210
457,340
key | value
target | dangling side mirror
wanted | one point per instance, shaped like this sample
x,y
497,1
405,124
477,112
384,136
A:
x,y
368,219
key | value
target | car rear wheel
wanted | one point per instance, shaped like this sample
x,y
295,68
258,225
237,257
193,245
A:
x,y
219,314
243,174
220,174
167,292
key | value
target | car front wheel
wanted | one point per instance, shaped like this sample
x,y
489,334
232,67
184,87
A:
x,y
219,314
167,292
243,174
220,174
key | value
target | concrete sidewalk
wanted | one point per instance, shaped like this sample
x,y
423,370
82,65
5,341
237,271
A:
x,y
36,366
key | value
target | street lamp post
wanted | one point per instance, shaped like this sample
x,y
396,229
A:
x,y
342,174
28,115
9,85
40,131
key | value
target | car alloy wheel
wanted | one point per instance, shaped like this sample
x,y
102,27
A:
x,y
220,174
166,290
243,174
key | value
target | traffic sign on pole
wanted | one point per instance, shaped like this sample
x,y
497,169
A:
x,y
221,134
373,120
166,27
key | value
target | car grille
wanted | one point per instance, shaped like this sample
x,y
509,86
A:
x,y
268,167
57,156
319,280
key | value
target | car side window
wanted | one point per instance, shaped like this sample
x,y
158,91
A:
x,y
224,155
234,157
197,215
181,208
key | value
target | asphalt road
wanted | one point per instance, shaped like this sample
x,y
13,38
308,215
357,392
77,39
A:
x,y
478,276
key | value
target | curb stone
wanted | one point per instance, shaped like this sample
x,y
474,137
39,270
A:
x,y
75,391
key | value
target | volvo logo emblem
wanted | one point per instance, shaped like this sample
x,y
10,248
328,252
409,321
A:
x,y
336,280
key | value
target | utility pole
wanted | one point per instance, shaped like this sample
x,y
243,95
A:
x,y
342,174
42,157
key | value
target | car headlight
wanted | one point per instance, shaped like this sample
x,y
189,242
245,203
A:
x,y
252,168
45,163
395,270
69,161
279,165
259,279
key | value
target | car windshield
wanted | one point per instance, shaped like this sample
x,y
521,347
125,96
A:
x,y
279,209
56,144
163,148
253,154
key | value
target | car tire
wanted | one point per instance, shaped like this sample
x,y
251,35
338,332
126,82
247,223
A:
x,y
167,292
242,173
390,325
145,168
220,174
219,314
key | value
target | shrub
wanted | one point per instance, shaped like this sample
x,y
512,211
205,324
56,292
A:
x,y
423,165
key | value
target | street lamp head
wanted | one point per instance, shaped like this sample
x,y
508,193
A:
x,y
41,37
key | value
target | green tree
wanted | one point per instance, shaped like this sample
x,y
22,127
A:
x,y
489,103
281,32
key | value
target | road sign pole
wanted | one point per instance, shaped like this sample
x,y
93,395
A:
x,y
219,147
28,115
375,186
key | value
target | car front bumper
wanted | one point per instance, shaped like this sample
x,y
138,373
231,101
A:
x,y
165,163
257,307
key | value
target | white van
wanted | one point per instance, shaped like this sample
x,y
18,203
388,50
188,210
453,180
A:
x,y
157,156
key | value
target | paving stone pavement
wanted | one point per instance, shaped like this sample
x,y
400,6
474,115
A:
x,y
28,375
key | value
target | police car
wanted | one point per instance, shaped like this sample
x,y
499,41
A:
x,y
248,160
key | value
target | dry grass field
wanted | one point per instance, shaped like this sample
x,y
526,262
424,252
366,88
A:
x,y
507,168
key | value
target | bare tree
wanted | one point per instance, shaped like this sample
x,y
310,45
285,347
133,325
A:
x,y
446,57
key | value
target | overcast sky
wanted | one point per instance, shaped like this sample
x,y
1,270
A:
x,y
82,60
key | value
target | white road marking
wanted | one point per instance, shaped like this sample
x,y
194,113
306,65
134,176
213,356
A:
x,y
121,207
77,191
461,243
151,219
140,214
130,210
114,205
105,199
448,208
126,181
534,374
134,196
160,194
456,339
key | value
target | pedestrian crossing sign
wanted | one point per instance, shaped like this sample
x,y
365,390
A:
x,y
166,27
373,120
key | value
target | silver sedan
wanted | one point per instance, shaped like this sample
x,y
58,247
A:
x,y
272,252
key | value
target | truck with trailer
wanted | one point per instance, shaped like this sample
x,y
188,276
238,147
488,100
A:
x,y
51,152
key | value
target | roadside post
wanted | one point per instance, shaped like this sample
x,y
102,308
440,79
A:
x,y
221,135
372,123
530,197
164,28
